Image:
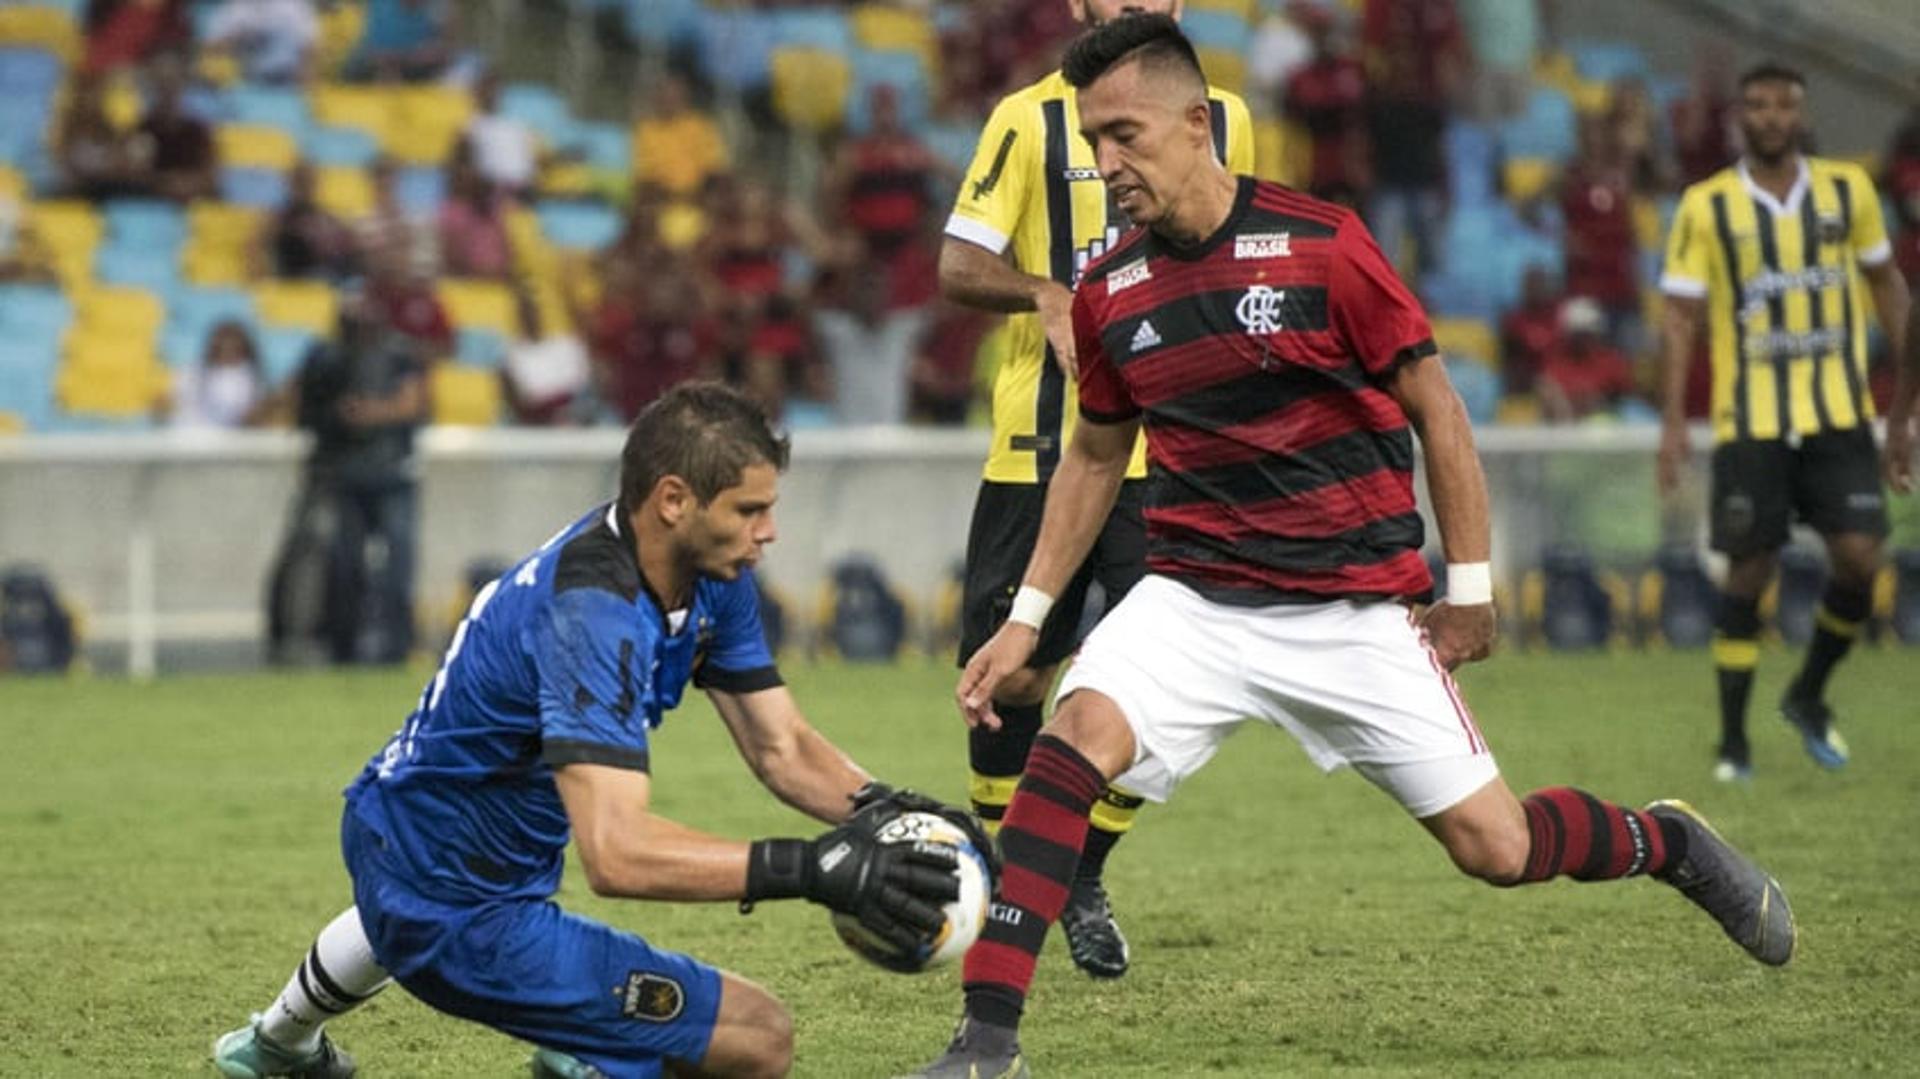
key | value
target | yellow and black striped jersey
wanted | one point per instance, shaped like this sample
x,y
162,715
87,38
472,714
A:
x,y
1786,314
1033,187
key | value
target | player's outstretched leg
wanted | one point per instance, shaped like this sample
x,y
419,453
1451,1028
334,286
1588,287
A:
x,y
1750,905
338,975
1837,622
553,1064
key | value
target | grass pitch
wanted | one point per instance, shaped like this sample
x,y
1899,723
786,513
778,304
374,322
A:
x,y
167,853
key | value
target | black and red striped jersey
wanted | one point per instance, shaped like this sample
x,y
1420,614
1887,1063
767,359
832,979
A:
x,y
1280,467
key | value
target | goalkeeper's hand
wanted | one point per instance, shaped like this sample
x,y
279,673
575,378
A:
x,y
878,803
895,890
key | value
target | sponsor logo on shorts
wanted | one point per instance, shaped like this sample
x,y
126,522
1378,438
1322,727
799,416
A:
x,y
655,998
1128,276
1263,245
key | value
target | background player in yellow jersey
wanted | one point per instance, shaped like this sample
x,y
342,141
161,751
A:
x,y
1775,255
1030,215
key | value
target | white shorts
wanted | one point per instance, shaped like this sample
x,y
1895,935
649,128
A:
x,y
1354,683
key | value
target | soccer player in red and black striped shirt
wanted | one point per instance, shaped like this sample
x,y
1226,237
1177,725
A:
x,y
1280,371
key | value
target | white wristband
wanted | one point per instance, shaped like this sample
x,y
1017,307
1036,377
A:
x,y
1030,606
1469,584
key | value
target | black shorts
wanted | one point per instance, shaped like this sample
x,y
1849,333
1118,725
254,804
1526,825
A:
x,y
1006,524
1831,481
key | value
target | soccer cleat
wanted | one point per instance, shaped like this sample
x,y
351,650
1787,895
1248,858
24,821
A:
x,y
1750,905
553,1064
1814,721
1093,937
1728,770
247,1054
978,1051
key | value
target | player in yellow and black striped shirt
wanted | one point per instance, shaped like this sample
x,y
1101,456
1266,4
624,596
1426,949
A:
x,y
1777,255
1032,212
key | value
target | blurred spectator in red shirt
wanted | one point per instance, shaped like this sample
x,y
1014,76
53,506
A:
x,y
1584,375
1702,122
1328,98
941,381
1416,57
880,187
1530,331
401,295
649,335
473,224
1902,185
128,33
1597,199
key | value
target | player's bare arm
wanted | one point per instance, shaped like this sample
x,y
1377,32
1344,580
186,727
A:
x,y
1079,498
627,850
1900,413
1679,329
976,277
1458,487
787,755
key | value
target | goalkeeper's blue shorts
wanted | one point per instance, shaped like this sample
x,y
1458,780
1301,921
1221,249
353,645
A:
x,y
531,970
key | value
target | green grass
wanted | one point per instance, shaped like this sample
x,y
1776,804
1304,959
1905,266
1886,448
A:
x,y
168,851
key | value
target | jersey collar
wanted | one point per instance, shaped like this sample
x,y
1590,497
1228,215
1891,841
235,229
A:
x,y
1761,195
1242,199
620,523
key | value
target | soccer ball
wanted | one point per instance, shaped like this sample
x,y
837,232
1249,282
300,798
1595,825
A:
x,y
966,915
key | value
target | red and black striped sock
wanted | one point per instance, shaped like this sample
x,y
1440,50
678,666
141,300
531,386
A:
x,y
1577,835
1040,841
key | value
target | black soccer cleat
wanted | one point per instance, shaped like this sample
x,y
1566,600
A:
x,y
1750,905
1814,721
978,1051
1093,937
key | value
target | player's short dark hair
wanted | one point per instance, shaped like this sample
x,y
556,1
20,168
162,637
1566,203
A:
x,y
703,432
1772,71
1154,40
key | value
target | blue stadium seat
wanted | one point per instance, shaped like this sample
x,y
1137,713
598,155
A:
x,y
282,350
34,71
608,147
539,107
580,226
1472,152
823,28
33,312
27,366
900,70
197,310
347,146
480,347
270,106
1214,29
1605,61
1455,295
262,188
420,189
736,48
662,23
1478,386
145,221
154,268
1545,128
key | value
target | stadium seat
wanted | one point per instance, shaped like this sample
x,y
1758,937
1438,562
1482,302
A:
x,y
145,221
363,107
340,146
1225,68
823,28
579,226
425,123
1248,10
1545,128
282,351
902,72
606,147
40,26
110,374
478,346
256,146
736,48
156,270
1215,29
198,310
484,305
538,106
114,309
1478,386
465,396
1527,178
264,189
344,191
1468,339
340,28
810,88
887,28
33,311
304,305
218,236
1606,61
276,108
29,70
661,24
420,189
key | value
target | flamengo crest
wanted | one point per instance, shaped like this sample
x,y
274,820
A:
x,y
1259,309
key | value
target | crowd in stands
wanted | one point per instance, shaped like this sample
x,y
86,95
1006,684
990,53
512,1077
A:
x,y
212,176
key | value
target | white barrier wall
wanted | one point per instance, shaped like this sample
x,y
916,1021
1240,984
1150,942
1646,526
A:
x,y
170,536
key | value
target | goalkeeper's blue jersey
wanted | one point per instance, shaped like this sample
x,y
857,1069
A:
x,y
567,658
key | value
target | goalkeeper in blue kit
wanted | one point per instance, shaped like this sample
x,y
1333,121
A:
x,y
538,726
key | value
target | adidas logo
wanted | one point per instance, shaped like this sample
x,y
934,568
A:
x,y
1145,337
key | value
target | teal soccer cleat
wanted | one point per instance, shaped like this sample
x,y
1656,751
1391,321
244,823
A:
x,y
247,1054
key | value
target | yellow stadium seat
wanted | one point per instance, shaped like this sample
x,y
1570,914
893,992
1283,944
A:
x,y
1557,70
1528,178
120,311
1521,409
885,28
12,184
256,146
426,122
367,108
1246,9
111,373
31,26
70,231
464,396
1282,152
1590,98
217,67
1646,225
305,305
340,29
810,87
11,423
1467,339
344,191
480,305
218,238
1225,69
